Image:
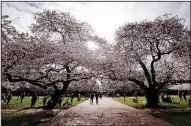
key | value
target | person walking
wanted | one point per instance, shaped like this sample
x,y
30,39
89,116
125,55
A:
x,y
79,97
60,101
3,97
9,97
180,95
91,98
162,96
97,96
45,98
100,95
66,103
22,97
184,96
72,96
124,96
33,100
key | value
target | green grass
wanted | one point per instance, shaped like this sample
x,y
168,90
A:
x,y
142,102
17,119
15,103
128,101
176,103
176,118
75,102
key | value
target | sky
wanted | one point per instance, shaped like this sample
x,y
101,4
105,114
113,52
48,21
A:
x,y
104,17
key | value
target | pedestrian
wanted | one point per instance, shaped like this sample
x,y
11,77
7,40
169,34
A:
x,y
60,101
33,100
2,97
79,97
22,96
180,95
184,96
91,98
124,96
66,103
97,96
162,96
49,101
44,100
5,97
9,97
100,95
169,99
72,96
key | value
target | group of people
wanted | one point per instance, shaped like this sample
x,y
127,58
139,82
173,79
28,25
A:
x,y
6,97
34,98
182,95
96,95
47,100
168,99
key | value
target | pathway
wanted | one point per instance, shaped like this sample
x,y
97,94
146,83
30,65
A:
x,y
108,112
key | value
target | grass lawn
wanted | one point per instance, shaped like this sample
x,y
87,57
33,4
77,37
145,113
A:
x,y
15,103
75,102
128,101
178,118
142,102
17,119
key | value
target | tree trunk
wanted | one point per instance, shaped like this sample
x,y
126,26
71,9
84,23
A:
x,y
57,93
152,97
54,100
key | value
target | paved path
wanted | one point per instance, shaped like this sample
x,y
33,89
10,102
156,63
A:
x,y
108,112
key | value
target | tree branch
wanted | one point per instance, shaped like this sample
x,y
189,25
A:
x,y
19,79
9,66
82,78
139,83
159,54
145,70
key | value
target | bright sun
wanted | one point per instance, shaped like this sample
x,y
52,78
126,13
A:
x,y
92,45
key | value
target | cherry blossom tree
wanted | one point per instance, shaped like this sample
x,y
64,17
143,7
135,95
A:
x,y
51,56
151,54
150,48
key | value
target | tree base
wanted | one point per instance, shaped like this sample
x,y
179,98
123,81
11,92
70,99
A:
x,y
153,106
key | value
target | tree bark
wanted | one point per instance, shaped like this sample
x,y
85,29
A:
x,y
54,100
152,97
57,94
